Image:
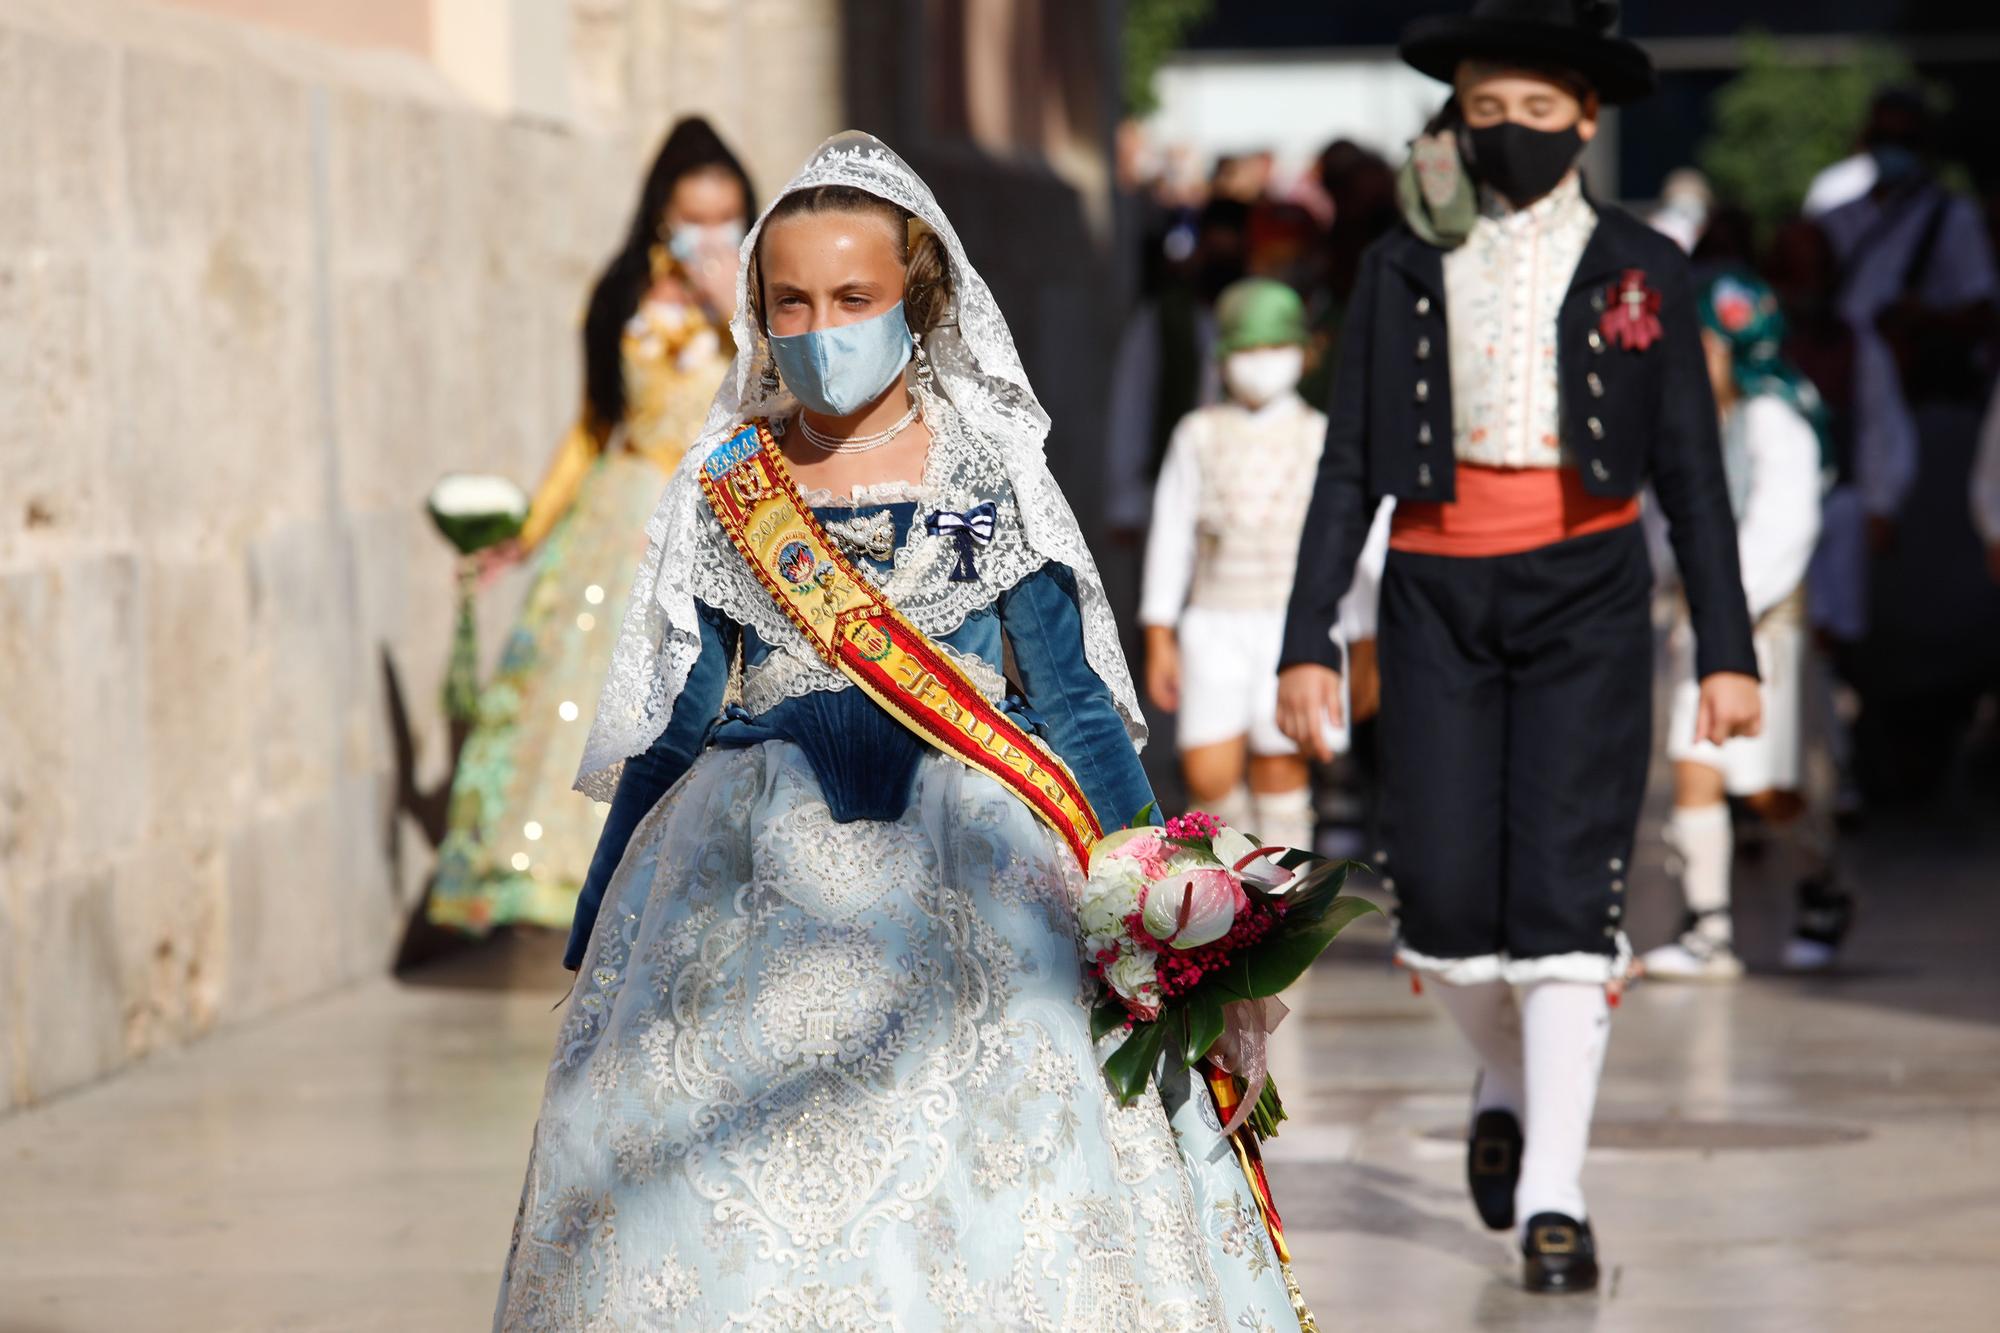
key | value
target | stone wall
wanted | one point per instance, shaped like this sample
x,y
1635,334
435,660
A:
x,y
255,295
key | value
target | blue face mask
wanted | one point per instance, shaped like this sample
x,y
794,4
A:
x,y
836,372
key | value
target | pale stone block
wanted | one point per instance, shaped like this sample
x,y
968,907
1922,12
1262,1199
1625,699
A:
x,y
198,728
54,405
19,188
178,135
71,1008
259,360
282,924
297,663
369,907
13,994
68,88
267,180
170,905
34,751
407,594
102,652
171,471
387,173
389,376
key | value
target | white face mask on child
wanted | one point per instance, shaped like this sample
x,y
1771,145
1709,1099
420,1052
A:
x,y
1263,374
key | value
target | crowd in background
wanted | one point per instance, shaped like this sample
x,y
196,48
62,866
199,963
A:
x,y
1886,280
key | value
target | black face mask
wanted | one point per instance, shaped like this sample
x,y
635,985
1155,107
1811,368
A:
x,y
1522,163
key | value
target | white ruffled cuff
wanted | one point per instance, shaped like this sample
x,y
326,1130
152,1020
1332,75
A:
x,y
1593,968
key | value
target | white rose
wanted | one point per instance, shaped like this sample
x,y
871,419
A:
x,y
1134,977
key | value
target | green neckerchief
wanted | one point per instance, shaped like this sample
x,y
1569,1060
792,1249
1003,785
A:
x,y
1434,191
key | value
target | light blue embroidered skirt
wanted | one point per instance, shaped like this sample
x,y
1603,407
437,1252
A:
x,y
839,1076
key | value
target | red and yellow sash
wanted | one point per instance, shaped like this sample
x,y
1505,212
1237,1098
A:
x,y
857,632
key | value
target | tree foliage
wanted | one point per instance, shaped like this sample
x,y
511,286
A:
x,y
1154,30
1781,120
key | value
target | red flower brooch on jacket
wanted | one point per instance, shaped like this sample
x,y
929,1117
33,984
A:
x,y
1631,317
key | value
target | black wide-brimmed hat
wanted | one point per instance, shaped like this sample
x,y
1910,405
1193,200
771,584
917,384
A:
x,y
1560,34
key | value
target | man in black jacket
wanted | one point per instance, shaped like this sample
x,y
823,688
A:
x,y
1517,363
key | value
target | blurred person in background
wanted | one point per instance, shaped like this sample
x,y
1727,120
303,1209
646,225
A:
x,y
1281,240
1901,572
1243,177
1518,361
655,346
1166,366
1727,243
1774,455
1362,189
1225,534
1986,488
1686,200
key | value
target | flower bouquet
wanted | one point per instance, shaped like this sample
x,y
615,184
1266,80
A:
x,y
1193,929
473,512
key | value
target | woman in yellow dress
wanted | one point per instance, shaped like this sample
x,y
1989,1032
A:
x,y
656,345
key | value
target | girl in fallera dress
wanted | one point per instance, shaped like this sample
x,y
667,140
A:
x,y
828,1060
656,344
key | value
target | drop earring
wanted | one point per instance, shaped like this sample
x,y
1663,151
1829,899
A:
x,y
926,376
769,379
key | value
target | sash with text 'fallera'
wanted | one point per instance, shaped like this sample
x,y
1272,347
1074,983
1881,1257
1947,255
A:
x,y
857,632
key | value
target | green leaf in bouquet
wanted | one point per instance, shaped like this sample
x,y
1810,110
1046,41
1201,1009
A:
x,y
1203,1027
1131,1065
1106,1018
1144,819
1284,955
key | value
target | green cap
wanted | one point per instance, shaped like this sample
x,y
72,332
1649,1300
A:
x,y
1258,312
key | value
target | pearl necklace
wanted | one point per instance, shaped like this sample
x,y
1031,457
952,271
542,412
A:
x,y
857,444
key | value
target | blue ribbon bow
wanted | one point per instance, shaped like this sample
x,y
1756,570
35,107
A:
x,y
971,529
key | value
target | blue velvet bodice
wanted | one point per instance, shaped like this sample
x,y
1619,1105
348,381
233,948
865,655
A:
x,y
865,760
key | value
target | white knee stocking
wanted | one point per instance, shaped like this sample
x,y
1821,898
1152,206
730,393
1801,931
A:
x,y
1706,843
1235,809
1283,818
1565,1026
1487,1018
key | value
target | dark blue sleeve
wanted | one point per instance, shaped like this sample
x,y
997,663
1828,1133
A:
x,y
1045,629
647,776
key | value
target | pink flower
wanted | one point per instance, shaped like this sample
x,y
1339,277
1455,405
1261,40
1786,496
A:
x,y
1194,824
1194,908
1150,852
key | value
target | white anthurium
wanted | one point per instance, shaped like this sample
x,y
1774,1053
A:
x,y
1193,908
1245,856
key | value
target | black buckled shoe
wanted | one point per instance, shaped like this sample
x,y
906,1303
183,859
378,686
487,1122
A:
x,y
1493,1166
1559,1255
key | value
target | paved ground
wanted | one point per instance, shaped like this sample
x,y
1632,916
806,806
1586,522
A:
x,y
1778,1156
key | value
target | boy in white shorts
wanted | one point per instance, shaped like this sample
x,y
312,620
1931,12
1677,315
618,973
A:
x,y
1227,511
1772,454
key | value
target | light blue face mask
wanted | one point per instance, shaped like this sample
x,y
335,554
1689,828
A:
x,y
836,372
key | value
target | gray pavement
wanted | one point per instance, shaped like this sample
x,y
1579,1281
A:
x,y
1780,1155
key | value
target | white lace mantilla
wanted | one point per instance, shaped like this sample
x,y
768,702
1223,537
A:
x,y
991,431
